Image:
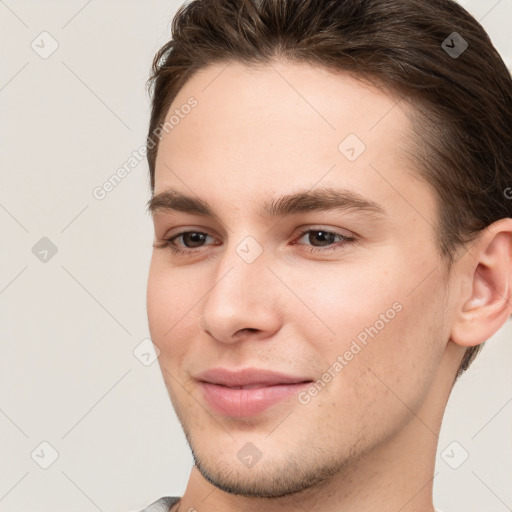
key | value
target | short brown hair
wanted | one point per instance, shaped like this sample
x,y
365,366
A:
x,y
463,103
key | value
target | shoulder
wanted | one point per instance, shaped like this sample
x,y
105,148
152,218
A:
x,y
162,505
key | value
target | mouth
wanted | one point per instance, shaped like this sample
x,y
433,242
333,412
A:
x,y
242,401
248,392
261,385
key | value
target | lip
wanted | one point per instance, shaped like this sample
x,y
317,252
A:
x,y
221,390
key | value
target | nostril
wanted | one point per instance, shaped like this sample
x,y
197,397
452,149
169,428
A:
x,y
248,329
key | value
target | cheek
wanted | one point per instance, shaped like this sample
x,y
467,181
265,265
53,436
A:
x,y
372,317
157,301
340,301
384,353
169,301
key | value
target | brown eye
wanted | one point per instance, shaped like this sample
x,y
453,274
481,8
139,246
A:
x,y
192,239
324,237
323,240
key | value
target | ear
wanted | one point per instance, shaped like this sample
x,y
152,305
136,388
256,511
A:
x,y
486,300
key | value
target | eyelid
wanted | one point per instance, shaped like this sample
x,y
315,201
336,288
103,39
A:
x,y
329,229
299,232
212,231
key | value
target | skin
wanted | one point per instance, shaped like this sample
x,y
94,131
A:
x,y
367,441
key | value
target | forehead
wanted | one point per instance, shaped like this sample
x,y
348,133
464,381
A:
x,y
276,127
323,98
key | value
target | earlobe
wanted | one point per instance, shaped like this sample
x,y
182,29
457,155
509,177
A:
x,y
487,305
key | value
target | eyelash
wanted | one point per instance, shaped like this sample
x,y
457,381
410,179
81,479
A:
x,y
168,242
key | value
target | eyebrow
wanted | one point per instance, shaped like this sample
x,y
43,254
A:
x,y
324,199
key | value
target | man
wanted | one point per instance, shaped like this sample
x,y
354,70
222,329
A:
x,y
332,243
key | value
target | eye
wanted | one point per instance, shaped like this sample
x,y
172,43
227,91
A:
x,y
191,240
327,240
321,240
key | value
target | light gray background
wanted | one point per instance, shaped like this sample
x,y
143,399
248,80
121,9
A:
x,y
68,329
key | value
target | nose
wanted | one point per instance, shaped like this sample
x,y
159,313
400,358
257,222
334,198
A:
x,y
243,299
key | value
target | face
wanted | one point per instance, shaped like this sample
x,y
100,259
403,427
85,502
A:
x,y
342,288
